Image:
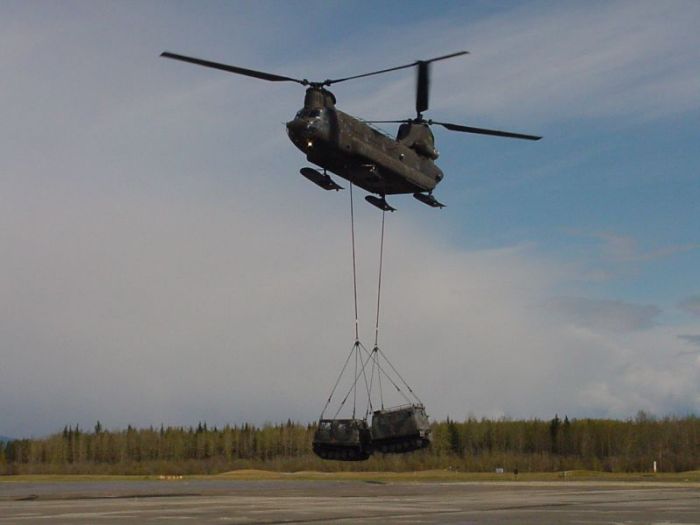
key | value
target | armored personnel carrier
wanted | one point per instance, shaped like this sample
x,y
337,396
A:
x,y
342,439
401,429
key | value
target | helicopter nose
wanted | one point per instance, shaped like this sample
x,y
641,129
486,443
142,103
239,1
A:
x,y
296,127
300,134
304,132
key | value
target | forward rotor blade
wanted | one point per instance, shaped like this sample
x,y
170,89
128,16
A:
x,y
483,131
412,64
233,69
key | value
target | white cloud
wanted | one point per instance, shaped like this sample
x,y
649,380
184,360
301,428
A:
x,y
606,255
605,315
542,63
691,305
691,339
141,310
163,261
623,248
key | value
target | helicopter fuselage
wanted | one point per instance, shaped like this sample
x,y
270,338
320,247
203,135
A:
x,y
361,154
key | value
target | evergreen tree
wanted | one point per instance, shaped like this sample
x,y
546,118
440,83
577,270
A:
x,y
554,434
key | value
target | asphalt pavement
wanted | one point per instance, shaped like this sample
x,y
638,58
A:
x,y
229,501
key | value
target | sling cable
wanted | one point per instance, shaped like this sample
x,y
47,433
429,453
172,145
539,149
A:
x,y
399,429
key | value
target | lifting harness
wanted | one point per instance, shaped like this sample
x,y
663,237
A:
x,y
374,363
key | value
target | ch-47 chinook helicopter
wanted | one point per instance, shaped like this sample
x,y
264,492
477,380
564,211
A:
x,y
357,152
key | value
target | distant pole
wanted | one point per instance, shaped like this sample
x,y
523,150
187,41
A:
x,y
654,466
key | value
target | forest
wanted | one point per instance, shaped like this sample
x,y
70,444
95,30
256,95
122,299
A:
x,y
473,445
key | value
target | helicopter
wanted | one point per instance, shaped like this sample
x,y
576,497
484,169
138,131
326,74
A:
x,y
358,152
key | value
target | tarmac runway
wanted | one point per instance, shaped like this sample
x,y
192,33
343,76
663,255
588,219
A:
x,y
227,501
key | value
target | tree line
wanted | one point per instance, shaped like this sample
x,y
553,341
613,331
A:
x,y
475,445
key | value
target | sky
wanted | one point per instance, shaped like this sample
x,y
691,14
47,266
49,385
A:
x,y
162,260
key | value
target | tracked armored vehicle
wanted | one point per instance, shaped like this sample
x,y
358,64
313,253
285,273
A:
x,y
401,429
342,439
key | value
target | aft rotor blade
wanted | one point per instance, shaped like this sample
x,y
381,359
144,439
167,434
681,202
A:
x,y
386,121
422,87
233,69
412,64
483,131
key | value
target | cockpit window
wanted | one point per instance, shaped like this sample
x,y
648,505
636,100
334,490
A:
x,y
313,113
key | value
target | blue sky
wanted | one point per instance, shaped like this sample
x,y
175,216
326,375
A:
x,y
163,261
